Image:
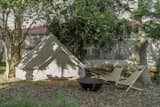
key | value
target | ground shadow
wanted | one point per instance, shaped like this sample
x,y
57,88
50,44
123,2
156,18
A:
x,y
108,95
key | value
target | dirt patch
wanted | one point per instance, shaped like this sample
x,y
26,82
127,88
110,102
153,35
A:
x,y
107,96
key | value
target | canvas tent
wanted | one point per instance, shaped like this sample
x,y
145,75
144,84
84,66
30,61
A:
x,y
49,59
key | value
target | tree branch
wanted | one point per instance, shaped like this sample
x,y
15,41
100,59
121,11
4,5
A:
x,y
28,28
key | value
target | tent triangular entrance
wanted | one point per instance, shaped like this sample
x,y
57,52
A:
x,y
45,53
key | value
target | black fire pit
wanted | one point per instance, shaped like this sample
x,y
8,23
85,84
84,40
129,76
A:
x,y
91,84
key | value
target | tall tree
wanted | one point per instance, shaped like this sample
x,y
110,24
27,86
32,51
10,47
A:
x,y
20,10
144,17
92,13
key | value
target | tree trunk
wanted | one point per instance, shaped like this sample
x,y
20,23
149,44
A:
x,y
16,49
6,40
143,61
7,71
7,59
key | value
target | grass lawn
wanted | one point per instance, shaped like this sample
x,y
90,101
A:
x,y
63,93
61,100
2,68
56,93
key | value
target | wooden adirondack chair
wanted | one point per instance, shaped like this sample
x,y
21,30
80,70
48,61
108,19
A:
x,y
115,75
132,79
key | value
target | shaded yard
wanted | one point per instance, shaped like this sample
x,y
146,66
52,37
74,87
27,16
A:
x,y
2,67
43,92
107,96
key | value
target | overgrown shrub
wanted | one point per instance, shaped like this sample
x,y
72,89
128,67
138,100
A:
x,y
88,23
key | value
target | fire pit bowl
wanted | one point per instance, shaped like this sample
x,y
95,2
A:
x,y
91,84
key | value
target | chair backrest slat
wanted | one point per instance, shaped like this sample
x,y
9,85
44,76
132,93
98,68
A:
x,y
115,75
133,76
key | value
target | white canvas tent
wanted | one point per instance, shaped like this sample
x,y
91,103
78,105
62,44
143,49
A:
x,y
49,59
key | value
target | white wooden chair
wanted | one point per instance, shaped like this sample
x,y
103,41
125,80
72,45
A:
x,y
132,79
115,75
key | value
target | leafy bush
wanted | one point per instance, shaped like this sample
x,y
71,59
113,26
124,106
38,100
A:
x,y
88,22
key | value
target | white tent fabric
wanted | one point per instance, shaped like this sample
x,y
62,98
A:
x,y
49,59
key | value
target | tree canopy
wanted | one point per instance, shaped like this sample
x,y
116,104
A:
x,y
88,22
20,10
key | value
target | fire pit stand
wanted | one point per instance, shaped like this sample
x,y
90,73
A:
x,y
91,84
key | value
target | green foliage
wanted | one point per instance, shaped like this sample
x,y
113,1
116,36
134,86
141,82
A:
x,y
158,63
123,28
20,102
137,44
2,67
16,3
153,30
88,22
156,13
60,100
142,10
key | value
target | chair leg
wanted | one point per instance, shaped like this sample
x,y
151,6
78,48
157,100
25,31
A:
x,y
128,88
138,89
135,88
